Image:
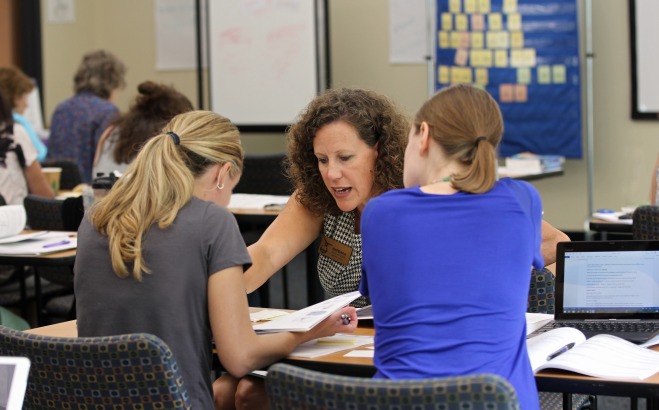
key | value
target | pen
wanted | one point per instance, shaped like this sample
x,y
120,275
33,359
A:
x,y
346,319
50,245
560,351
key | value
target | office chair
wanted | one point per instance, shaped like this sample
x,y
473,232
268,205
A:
x,y
645,222
56,215
265,175
541,300
126,371
293,388
70,177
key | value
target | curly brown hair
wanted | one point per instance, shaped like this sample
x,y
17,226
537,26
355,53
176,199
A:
x,y
379,124
152,109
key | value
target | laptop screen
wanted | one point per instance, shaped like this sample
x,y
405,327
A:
x,y
13,381
608,279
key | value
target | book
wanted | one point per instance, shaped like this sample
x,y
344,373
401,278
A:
x,y
305,319
603,356
38,243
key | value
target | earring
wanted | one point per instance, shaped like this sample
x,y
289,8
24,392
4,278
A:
x,y
220,187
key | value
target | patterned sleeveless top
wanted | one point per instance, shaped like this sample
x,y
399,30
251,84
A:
x,y
336,278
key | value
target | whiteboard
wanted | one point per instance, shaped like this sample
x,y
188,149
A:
x,y
645,58
264,59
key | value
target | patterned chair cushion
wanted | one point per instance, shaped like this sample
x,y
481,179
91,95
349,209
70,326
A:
x,y
290,388
541,292
645,223
133,371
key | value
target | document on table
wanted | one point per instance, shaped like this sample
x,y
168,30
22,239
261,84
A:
x,y
41,244
329,345
12,220
257,201
535,321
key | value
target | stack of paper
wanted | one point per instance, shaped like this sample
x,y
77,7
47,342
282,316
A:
x,y
12,220
527,163
37,243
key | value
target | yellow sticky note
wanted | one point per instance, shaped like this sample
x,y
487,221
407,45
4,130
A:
x,y
497,39
516,39
509,6
529,57
521,93
444,74
504,39
336,341
544,74
443,39
559,73
522,57
461,75
494,21
514,21
477,40
482,77
455,39
454,6
506,93
501,58
470,6
464,40
484,6
461,22
481,58
447,21
524,75
477,22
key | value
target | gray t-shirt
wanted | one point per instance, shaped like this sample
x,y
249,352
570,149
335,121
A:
x,y
171,302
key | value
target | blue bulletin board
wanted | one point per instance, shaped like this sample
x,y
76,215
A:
x,y
525,53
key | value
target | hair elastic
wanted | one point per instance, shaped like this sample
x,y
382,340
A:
x,y
175,137
479,139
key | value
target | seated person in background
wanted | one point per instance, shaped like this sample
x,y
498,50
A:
x,y
17,87
446,261
160,254
20,172
153,107
78,123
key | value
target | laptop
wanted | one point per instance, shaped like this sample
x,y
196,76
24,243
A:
x,y
607,287
14,372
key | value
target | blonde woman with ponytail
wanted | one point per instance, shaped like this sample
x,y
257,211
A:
x,y
160,254
447,260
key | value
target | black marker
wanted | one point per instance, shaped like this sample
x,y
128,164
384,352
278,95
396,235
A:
x,y
560,351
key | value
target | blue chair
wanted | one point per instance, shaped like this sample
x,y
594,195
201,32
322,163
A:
x,y
293,388
114,372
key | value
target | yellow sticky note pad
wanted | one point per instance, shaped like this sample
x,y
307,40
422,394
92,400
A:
x,y
516,39
443,74
443,38
544,74
509,6
514,21
470,6
447,21
454,6
522,57
461,75
455,39
482,76
483,6
501,58
524,75
559,73
497,39
477,40
334,340
494,21
461,22
481,58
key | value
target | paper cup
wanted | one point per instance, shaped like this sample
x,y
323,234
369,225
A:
x,y
53,175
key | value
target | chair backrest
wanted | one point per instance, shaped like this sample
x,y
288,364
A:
x,y
291,388
70,176
541,292
53,214
264,174
127,371
645,223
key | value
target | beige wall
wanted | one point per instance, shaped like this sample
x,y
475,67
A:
x,y
625,150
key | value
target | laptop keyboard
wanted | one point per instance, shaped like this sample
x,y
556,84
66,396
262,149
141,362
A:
x,y
607,326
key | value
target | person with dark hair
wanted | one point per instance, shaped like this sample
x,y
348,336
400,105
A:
x,y
152,108
78,123
446,261
17,87
161,254
20,172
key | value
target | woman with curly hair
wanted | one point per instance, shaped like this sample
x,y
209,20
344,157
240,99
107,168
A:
x,y
78,122
154,105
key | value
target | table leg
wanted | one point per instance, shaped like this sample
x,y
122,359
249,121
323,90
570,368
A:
x,y
37,296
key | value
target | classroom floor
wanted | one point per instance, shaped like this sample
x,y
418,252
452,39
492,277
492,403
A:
x,y
297,299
